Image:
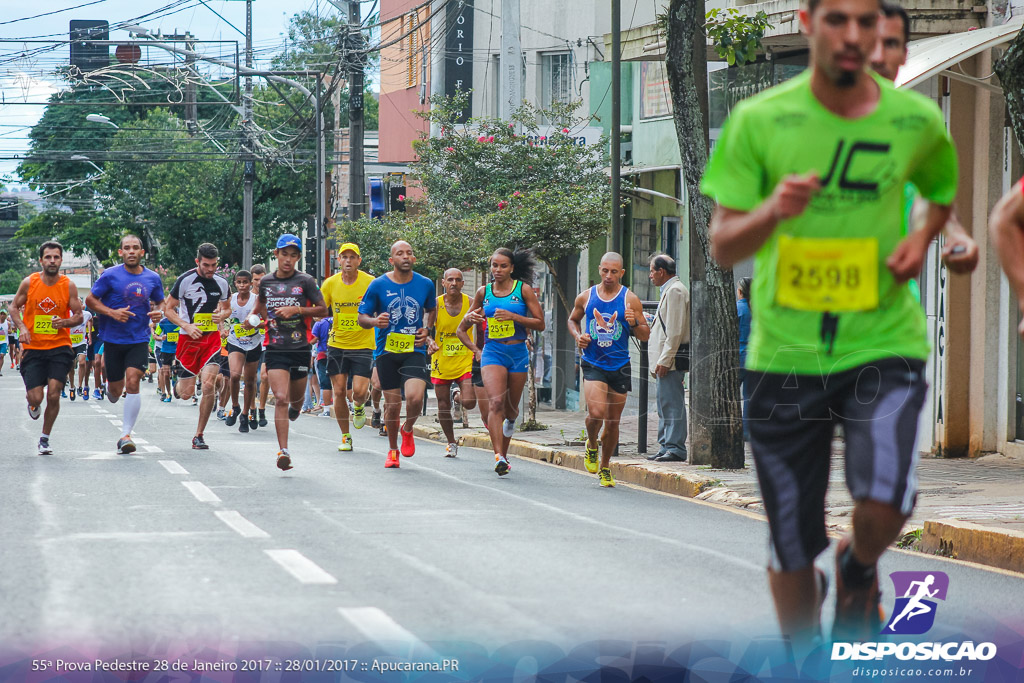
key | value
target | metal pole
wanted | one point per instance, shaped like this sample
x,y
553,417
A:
x,y
437,35
250,163
357,184
319,181
641,436
616,236
511,79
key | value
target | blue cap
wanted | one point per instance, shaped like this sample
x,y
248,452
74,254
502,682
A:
x,y
287,240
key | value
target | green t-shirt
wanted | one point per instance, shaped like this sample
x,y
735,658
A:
x,y
864,165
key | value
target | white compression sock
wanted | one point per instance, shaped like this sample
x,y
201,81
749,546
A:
x,y
132,405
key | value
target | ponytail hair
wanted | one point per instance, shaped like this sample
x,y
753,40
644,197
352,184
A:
x,y
524,263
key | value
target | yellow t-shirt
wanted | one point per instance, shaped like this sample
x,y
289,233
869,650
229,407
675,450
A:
x,y
453,359
343,303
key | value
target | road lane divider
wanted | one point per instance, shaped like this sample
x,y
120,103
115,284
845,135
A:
x,y
173,467
240,524
300,566
201,491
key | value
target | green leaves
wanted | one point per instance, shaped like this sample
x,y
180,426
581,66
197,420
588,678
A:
x,y
736,36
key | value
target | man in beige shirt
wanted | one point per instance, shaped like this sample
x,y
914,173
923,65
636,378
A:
x,y
670,330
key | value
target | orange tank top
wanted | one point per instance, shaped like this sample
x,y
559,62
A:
x,y
45,304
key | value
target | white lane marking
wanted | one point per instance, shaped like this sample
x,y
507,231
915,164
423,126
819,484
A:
x,y
299,566
201,491
108,455
152,449
240,524
138,441
117,423
375,624
173,467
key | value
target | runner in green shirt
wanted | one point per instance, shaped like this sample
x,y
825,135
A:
x,y
809,178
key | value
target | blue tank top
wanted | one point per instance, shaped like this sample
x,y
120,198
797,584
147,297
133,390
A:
x,y
605,322
505,330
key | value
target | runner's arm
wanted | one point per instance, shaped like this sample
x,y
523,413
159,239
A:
x,y
575,318
462,331
76,309
171,312
223,312
533,321
906,260
20,298
638,325
1006,227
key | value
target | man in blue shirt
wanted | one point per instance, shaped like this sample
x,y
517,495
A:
x,y
123,299
402,306
322,334
167,334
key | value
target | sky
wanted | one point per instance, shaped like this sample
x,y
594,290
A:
x,y
24,78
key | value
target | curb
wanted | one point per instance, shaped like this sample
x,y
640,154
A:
x,y
975,543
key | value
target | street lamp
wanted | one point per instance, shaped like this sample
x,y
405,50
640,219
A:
x,y
100,118
79,157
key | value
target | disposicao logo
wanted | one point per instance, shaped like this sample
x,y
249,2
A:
x,y
914,612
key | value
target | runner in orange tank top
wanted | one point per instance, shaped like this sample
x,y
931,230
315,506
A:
x,y
44,309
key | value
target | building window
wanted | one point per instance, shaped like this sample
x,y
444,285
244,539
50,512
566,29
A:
x,y
556,79
645,245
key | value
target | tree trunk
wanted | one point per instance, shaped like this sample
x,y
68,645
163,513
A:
x,y
716,429
1010,69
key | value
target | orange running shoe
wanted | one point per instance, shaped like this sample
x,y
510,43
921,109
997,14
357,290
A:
x,y
392,460
408,445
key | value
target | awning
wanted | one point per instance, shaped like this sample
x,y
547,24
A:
x,y
932,56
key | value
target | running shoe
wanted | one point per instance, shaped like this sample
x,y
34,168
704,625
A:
x,y
392,460
508,427
254,423
220,414
34,413
125,445
590,458
859,614
358,416
346,443
375,420
85,394
195,400
284,460
96,394
73,393
326,413
63,393
383,431
243,425
198,444
44,447
150,379
232,417
263,417
502,467
452,450
408,443
167,399
605,475
293,414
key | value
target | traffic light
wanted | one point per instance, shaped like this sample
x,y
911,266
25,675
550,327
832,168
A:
x,y
310,254
85,55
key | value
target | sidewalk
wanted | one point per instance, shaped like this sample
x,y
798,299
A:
x,y
969,509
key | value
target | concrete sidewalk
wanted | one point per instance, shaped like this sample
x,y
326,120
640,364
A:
x,y
969,509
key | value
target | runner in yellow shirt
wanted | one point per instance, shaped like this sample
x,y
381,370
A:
x,y
350,347
452,361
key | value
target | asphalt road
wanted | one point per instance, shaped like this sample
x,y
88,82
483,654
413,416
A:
x,y
171,545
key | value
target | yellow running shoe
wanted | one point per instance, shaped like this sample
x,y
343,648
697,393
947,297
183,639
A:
x,y
590,458
346,442
358,416
606,477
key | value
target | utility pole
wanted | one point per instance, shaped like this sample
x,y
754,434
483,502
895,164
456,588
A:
x,y
250,161
438,25
191,110
616,236
357,184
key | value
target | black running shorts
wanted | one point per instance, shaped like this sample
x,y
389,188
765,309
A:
x,y
620,381
791,420
39,366
393,369
118,357
349,362
295,361
253,355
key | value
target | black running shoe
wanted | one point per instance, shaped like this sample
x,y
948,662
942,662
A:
x,y
198,444
243,425
375,420
263,418
233,416
125,445
284,461
253,422
293,414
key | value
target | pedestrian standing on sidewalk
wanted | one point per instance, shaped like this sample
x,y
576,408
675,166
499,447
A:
x,y
809,178
51,308
602,321
510,307
1007,229
743,312
401,305
125,298
669,351
199,302
451,367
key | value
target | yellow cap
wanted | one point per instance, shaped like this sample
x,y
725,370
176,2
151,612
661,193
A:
x,y
349,246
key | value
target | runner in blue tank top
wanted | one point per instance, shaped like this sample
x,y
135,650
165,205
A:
x,y
610,313
510,307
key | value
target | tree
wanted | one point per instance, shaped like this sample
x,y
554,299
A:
x,y
1010,69
716,436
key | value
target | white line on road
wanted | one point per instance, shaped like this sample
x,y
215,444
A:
x,y
152,449
299,566
201,491
173,467
117,423
240,524
376,625
139,441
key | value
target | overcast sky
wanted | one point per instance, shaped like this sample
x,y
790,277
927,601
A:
x,y
24,78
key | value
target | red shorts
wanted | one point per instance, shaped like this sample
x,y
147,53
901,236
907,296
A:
x,y
194,354
437,380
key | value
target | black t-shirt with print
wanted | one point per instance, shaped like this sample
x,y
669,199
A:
x,y
298,290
